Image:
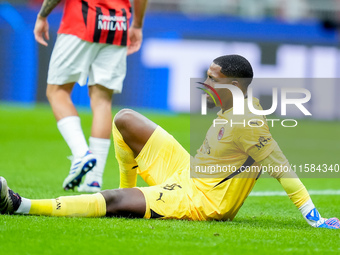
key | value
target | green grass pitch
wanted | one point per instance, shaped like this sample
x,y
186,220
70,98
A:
x,y
33,160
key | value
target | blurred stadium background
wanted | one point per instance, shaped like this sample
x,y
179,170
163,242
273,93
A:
x,y
281,38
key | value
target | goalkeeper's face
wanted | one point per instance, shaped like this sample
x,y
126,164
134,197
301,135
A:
x,y
214,76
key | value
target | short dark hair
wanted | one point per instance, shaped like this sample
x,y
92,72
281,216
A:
x,y
236,66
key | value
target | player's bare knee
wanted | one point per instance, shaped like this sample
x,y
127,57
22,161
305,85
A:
x,y
98,105
124,118
57,91
101,101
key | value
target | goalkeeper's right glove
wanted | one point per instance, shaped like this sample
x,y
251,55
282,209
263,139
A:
x,y
313,217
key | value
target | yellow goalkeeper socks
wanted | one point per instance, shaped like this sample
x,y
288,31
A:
x,y
126,160
71,206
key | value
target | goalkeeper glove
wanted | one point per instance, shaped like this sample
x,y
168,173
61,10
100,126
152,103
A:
x,y
313,217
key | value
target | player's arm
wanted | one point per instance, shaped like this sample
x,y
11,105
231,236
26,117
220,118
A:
x,y
294,188
47,7
136,33
41,27
260,145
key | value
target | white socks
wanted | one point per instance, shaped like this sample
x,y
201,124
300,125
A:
x,y
100,149
24,207
70,129
311,214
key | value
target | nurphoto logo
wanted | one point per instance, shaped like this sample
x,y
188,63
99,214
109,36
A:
x,y
239,105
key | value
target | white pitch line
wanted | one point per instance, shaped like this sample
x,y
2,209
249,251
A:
x,y
282,193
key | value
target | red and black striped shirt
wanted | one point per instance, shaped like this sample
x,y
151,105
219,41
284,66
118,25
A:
x,y
100,21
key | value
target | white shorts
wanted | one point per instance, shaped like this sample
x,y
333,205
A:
x,y
75,60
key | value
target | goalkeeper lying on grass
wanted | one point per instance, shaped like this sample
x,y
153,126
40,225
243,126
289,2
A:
x,y
143,147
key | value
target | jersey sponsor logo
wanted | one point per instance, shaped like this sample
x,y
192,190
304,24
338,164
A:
x,y
220,134
160,197
262,142
172,186
112,23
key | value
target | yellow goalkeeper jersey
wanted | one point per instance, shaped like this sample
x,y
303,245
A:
x,y
229,152
224,170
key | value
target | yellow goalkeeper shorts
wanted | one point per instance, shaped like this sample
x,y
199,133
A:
x,y
165,165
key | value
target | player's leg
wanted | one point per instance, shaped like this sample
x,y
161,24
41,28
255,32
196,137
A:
x,y
131,131
59,97
106,76
142,146
124,202
68,64
101,100
68,123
